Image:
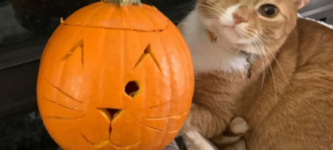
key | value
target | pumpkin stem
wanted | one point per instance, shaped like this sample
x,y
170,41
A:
x,y
124,2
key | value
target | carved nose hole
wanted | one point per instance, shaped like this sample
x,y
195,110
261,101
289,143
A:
x,y
131,88
113,113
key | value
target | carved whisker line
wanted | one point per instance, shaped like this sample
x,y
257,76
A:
x,y
50,100
86,139
70,108
167,117
168,101
159,130
151,127
61,105
62,118
64,93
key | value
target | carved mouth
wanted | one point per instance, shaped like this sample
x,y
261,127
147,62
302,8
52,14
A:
x,y
113,113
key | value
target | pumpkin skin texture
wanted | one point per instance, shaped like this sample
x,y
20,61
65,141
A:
x,y
115,78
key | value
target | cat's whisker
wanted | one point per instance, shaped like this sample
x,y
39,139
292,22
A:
x,y
211,14
272,55
217,6
271,69
262,63
248,32
259,47
216,11
220,11
260,41
254,34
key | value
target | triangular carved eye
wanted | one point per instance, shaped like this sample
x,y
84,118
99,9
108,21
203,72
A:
x,y
76,47
131,88
148,51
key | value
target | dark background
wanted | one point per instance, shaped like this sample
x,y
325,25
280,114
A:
x,y
25,26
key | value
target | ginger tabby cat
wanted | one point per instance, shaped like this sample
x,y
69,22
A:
x,y
265,65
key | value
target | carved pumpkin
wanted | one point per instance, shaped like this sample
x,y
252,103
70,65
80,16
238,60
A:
x,y
115,77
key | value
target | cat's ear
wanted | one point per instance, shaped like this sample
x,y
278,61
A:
x,y
301,3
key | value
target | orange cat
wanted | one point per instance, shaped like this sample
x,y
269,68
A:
x,y
263,64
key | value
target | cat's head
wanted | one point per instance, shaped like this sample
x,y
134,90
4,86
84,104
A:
x,y
251,23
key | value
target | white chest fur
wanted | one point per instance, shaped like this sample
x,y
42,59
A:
x,y
206,55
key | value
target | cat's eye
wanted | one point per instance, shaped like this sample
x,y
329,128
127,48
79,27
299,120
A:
x,y
268,10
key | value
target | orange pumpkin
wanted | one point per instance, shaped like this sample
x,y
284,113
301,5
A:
x,y
115,77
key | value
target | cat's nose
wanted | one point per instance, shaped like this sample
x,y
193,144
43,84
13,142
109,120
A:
x,y
238,19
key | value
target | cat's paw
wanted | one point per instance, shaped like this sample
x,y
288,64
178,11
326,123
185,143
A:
x,y
238,126
236,129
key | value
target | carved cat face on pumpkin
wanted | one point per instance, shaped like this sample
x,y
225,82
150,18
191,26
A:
x,y
106,84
